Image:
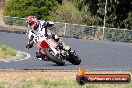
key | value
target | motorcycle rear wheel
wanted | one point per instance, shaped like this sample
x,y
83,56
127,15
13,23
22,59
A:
x,y
54,59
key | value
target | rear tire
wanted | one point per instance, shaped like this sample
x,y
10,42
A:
x,y
54,59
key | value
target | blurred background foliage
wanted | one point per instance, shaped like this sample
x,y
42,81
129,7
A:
x,y
90,12
119,12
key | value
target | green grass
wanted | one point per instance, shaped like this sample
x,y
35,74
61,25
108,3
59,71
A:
x,y
6,51
61,83
26,84
56,83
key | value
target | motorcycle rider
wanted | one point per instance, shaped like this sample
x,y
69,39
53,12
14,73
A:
x,y
36,26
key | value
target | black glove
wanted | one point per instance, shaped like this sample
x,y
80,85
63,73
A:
x,y
27,46
46,35
45,24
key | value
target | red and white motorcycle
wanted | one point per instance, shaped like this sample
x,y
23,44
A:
x,y
49,48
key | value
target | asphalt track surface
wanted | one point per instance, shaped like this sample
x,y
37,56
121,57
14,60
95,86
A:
x,y
95,55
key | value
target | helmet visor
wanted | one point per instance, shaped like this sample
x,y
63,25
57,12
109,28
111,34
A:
x,y
31,23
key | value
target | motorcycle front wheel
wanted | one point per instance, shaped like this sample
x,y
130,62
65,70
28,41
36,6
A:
x,y
54,59
74,58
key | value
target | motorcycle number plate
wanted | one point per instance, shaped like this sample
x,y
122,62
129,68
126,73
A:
x,y
51,42
40,37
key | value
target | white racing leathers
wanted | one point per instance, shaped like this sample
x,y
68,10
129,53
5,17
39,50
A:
x,y
49,32
33,32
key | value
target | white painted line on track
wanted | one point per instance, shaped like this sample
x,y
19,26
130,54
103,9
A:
x,y
27,57
18,57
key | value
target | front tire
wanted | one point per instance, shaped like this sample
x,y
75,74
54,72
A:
x,y
74,59
54,59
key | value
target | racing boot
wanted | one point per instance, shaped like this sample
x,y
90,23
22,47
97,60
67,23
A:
x,y
38,55
30,43
45,58
41,57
